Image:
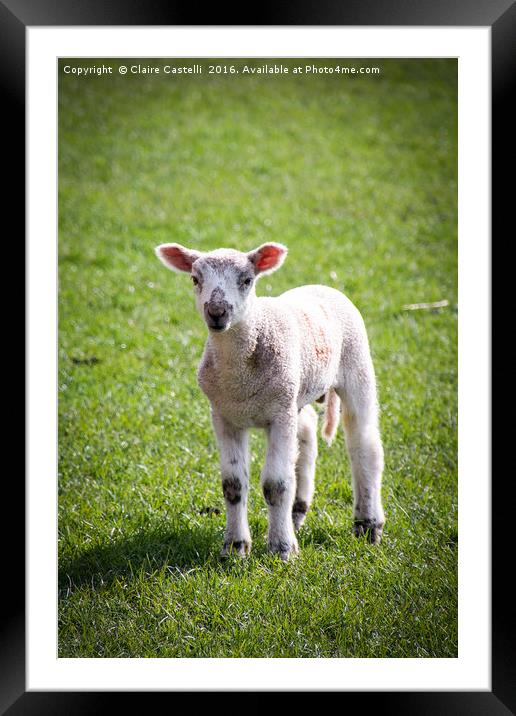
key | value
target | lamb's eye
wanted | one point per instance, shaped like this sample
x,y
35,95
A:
x,y
247,282
195,280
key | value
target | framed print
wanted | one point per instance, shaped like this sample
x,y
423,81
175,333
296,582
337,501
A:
x,y
362,147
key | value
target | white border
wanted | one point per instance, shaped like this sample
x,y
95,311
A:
x,y
471,670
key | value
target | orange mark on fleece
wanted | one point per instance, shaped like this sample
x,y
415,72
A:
x,y
320,343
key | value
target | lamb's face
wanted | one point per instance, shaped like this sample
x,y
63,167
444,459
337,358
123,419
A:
x,y
224,279
224,287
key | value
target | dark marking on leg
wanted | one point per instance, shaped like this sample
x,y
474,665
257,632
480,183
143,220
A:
x,y
364,502
273,492
234,461
232,489
369,528
280,545
240,547
284,549
235,545
300,506
299,510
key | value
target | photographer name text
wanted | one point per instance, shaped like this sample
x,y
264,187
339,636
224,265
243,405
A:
x,y
218,69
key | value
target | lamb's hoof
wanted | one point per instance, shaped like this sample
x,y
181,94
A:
x,y
371,529
285,550
240,548
299,511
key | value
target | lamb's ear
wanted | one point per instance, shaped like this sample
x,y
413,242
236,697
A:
x,y
177,257
267,257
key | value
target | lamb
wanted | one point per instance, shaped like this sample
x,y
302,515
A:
x,y
265,361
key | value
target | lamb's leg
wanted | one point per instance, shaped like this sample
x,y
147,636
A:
x,y
234,463
279,485
364,445
305,465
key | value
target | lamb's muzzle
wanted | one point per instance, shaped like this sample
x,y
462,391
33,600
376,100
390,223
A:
x,y
217,315
264,362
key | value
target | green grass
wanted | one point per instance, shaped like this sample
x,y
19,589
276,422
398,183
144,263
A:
x,y
358,177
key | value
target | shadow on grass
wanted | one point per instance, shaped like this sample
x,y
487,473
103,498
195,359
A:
x,y
168,547
172,548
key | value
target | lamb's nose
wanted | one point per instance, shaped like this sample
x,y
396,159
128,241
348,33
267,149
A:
x,y
216,311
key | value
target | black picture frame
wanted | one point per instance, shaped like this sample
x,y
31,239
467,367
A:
x,y
500,16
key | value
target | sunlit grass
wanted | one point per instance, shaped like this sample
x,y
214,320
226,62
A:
x,y
358,177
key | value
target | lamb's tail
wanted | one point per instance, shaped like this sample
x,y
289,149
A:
x,y
331,416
